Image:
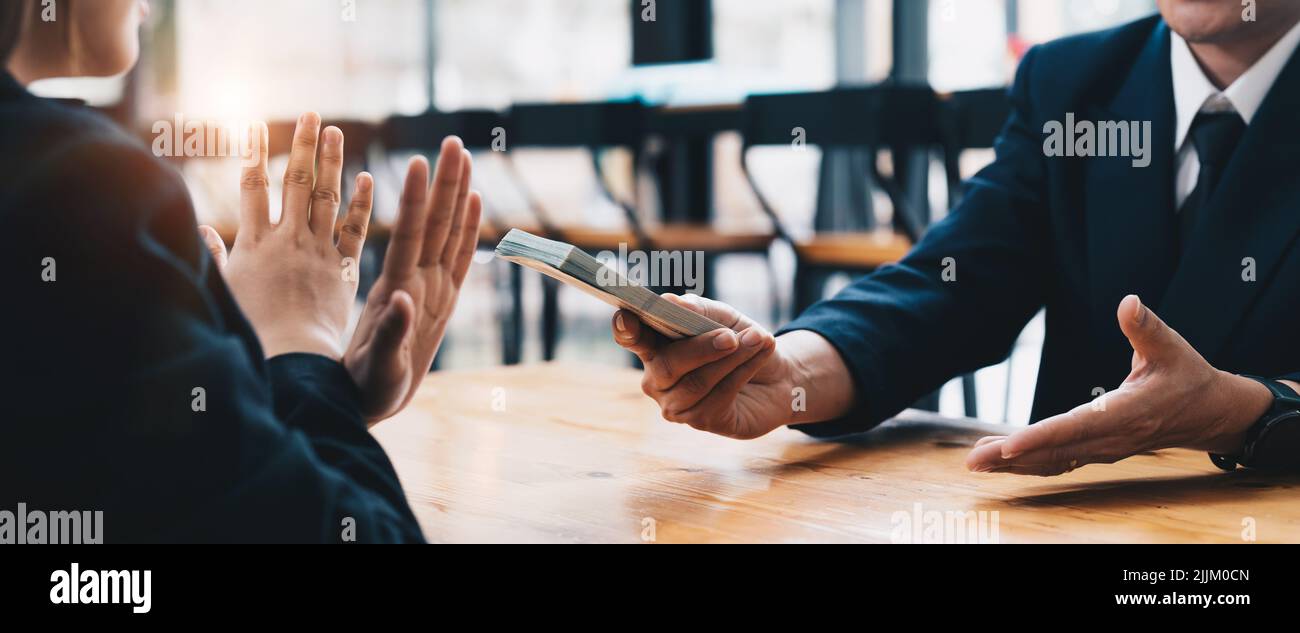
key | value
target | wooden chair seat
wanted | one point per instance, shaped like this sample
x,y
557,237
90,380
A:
x,y
860,250
490,234
378,231
854,250
672,237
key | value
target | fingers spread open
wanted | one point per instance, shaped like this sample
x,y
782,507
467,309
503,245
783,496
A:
x,y
353,226
300,177
327,195
448,197
255,185
468,239
408,230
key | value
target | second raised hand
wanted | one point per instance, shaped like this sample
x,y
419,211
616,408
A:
x,y
291,278
408,308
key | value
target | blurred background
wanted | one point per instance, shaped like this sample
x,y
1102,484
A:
x,y
625,122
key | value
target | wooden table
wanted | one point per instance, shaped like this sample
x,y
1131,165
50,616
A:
x,y
576,454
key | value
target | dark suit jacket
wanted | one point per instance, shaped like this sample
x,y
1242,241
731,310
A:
x,y
1075,235
103,362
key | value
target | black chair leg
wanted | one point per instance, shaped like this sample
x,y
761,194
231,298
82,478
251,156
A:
x,y
968,395
550,317
809,284
707,290
774,289
512,325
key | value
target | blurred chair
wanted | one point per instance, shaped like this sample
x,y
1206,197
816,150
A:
x,y
424,133
895,118
478,129
972,120
889,118
598,127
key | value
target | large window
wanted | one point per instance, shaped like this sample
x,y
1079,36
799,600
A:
x,y
492,53
977,43
236,61
770,47
241,58
775,45
968,44
1040,21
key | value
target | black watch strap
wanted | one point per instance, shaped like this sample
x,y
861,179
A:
x,y
1285,402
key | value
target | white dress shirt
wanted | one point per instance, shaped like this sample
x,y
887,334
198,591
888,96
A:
x,y
1194,93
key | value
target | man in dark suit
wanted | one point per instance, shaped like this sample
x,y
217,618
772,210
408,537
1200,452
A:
x,y
1198,226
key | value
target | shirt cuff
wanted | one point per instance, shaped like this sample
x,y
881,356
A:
x,y
314,393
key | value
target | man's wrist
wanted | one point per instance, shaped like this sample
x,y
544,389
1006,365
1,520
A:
x,y
818,380
796,380
1247,402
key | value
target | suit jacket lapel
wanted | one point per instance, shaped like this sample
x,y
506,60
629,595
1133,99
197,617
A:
x,y
1129,210
1255,214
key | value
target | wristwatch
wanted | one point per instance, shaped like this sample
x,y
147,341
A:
x,y
1273,442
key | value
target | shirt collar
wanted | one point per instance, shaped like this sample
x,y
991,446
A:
x,y
1194,92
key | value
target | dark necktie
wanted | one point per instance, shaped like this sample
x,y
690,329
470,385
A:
x,y
1215,135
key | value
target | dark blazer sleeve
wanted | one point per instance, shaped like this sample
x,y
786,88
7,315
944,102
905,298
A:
x,y
906,329
146,393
